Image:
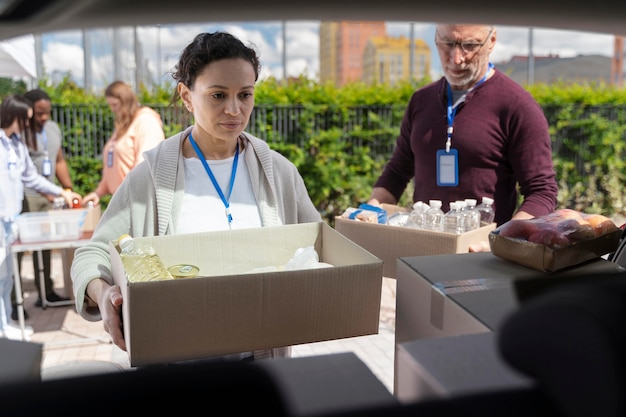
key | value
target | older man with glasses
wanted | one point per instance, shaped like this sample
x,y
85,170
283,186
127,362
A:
x,y
473,133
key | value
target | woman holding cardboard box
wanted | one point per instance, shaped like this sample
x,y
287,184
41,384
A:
x,y
210,176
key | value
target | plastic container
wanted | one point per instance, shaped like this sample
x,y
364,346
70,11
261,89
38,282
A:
x,y
52,225
433,216
472,215
416,217
141,263
486,210
454,220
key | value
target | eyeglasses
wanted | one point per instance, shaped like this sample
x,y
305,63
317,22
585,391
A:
x,y
466,47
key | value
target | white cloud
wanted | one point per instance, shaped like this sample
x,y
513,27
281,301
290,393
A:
x,y
63,50
64,58
566,44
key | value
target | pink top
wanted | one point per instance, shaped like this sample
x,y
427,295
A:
x,y
145,132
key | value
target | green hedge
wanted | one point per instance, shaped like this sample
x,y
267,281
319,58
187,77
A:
x,y
338,175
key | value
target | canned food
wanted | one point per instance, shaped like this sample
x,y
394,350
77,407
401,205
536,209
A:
x,y
184,271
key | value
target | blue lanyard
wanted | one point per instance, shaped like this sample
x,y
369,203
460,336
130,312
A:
x,y
44,139
452,108
225,200
12,153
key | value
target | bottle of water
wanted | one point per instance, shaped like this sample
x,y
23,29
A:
x,y
461,206
141,263
416,218
454,220
433,216
472,215
486,211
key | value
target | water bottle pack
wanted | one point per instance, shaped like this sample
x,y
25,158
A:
x,y
463,216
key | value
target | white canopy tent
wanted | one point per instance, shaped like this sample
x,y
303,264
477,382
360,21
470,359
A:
x,y
17,57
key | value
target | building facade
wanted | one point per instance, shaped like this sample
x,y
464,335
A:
x,y
342,45
388,60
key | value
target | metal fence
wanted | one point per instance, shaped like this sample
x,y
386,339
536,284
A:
x,y
86,127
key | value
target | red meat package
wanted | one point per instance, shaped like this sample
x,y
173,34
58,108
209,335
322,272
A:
x,y
555,241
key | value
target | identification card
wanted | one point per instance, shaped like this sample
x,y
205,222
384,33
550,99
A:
x,y
12,167
110,158
447,168
46,168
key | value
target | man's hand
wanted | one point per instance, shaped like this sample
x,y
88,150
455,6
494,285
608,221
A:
x,y
482,246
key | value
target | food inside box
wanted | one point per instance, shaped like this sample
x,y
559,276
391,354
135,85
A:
x,y
555,241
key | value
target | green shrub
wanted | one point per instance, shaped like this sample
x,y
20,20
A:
x,y
340,165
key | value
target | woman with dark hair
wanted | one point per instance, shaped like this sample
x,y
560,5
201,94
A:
x,y
16,171
210,176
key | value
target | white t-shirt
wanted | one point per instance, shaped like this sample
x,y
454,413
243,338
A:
x,y
203,209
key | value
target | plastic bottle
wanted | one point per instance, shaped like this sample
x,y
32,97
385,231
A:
x,y
416,217
472,215
486,211
59,203
454,220
433,216
141,263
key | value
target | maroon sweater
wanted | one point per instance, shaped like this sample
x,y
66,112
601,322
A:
x,y
502,139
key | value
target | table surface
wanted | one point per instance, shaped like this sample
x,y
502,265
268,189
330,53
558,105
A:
x,y
19,246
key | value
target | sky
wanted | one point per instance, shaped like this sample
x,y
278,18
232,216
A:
x,y
63,51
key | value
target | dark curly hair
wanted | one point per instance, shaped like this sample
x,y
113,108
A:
x,y
207,48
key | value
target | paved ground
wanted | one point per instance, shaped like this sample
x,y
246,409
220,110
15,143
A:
x,y
73,345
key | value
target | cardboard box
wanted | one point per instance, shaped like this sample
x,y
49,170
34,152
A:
x,y
545,258
20,361
327,384
51,225
469,293
453,366
392,242
448,295
92,219
228,309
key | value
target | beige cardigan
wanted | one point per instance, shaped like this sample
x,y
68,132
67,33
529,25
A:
x,y
149,201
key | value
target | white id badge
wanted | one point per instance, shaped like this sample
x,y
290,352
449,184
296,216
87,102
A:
x,y
12,167
110,158
447,168
46,168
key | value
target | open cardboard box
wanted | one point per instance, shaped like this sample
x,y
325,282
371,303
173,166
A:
x,y
228,309
547,259
93,218
392,242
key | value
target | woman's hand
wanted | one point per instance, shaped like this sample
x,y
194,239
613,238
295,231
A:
x,y
93,197
109,299
70,196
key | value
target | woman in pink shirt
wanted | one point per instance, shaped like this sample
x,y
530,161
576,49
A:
x,y
136,129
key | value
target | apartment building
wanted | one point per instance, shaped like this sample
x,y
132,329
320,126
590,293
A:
x,y
342,44
388,60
